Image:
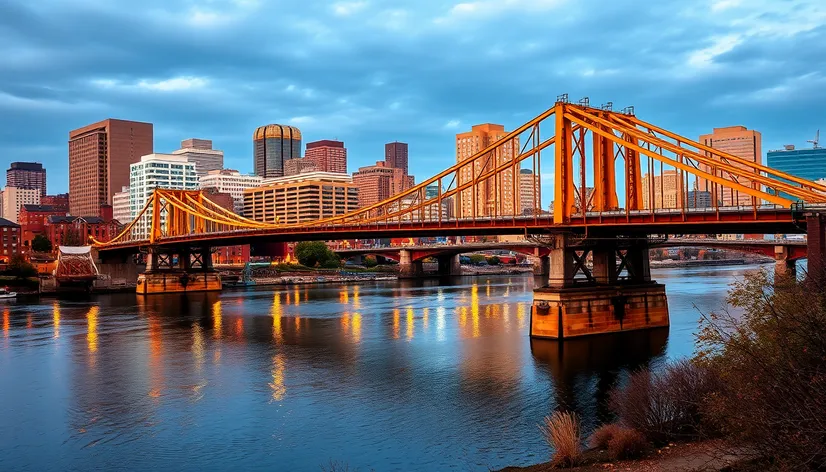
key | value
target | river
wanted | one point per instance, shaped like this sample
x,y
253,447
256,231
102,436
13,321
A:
x,y
407,375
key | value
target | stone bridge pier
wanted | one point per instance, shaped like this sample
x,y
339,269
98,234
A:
x,y
179,269
614,294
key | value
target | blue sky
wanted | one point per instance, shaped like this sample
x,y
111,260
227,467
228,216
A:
x,y
368,72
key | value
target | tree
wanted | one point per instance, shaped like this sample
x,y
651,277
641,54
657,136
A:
x,y
771,358
370,261
41,243
477,259
20,267
72,238
494,260
316,254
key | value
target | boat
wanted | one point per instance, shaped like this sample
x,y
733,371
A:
x,y
6,295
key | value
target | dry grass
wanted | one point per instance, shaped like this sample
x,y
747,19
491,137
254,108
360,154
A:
x,y
561,431
627,444
600,438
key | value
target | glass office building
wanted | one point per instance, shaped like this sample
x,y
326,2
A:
x,y
809,164
273,145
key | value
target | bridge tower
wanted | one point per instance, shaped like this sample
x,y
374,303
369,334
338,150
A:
x,y
179,269
615,294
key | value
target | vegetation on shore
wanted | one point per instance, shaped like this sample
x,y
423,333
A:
x,y
757,385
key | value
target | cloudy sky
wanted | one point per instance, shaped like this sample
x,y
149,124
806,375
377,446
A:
x,y
372,71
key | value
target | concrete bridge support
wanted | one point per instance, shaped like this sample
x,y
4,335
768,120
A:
x,y
119,269
614,294
784,267
542,266
408,268
449,265
177,270
816,247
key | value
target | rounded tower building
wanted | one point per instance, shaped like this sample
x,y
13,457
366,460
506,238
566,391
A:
x,y
272,146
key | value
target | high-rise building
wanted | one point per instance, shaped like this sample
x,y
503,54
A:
x,y
528,191
167,171
808,164
14,198
121,208
230,182
493,196
298,166
395,155
200,152
27,175
272,146
698,199
99,159
327,155
301,198
379,182
666,189
738,141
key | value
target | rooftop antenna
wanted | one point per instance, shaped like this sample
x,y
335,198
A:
x,y
815,141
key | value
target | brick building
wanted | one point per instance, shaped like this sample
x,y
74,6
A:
x,y
239,254
33,221
9,240
379,182
298,166
76,230
327,155
60,200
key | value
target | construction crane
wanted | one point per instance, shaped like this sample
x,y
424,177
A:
x,y
815,141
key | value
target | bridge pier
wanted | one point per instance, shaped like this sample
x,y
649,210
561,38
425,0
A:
x,y
542,266
615,294
408,268
784,266
816,247
181,269
449,265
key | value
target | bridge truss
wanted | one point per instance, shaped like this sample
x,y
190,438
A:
x,y
605,166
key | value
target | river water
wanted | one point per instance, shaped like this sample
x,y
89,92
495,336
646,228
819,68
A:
x,y
408,375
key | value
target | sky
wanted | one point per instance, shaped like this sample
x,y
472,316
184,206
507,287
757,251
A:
x,y
419,71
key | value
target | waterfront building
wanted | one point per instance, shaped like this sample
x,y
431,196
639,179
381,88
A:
x,y
99,159
301,198
121,208
808,164
741,142
14,198
272,146
200,152
698,199
298,166
230,182
379,182
9,240
327,156
666,190
29,175
488,201
167,171
76,230
33,221
528,191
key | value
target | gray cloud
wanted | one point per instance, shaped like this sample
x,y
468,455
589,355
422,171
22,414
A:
x,y
369,72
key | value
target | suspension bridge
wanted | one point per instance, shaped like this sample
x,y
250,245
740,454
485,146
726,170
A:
x,y
604,164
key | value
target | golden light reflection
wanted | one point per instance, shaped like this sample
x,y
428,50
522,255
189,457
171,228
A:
x,y
277,384
345,322
92,328
487,290
277,331
289,298
217,320
297,324
462,316
396,315
29,324
155,337
506,316
6,322
198,346
357,327
56,319
343,297
356,302
297,296
425,315
520,314
474,310
410,320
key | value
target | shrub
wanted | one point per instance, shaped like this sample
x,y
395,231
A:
x,y
627,444
600,438
494,260
41,243
316,254
666,405
370,261
561,431
771,359
477,259
19,267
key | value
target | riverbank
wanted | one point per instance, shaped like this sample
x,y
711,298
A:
x,y
707,456
672,264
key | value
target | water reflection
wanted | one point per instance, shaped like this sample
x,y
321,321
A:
x,y
414,375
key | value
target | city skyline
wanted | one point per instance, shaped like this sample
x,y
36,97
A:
x,y
740,64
